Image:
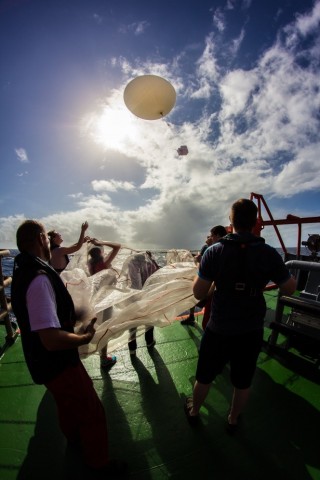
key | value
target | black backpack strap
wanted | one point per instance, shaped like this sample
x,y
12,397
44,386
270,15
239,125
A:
x,y
233,277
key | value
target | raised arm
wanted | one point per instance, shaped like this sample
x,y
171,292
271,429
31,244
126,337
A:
x,y
76,246
111,255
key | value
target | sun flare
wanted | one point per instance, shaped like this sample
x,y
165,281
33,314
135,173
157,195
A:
x,y
114,129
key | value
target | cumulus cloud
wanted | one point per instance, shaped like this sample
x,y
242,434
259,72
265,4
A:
x,y
76,195
9,227
208,71
246,129
236,88
309,23
111,185
266,128
261,135
301,174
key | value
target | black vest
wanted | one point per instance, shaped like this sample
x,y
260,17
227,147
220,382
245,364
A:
x,y
43,365
235,275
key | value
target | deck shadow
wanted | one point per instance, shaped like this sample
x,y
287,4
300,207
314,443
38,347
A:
x,y
183,450
279,430
195,332
301,365
288,425
48,456
119,431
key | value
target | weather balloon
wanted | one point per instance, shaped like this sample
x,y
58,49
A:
x,y
149,97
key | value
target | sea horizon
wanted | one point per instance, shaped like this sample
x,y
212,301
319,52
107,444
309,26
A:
x,y
7,262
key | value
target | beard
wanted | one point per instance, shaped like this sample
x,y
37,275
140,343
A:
x,y
46,253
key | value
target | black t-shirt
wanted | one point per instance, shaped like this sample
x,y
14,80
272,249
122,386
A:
x,y
241,265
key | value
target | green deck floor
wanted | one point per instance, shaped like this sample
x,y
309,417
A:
x,y
279,436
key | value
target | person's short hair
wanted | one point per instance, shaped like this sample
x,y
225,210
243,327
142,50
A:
x,y
243,214
27,234
218,230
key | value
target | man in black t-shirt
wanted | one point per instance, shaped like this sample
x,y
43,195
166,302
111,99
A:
x,y
240,265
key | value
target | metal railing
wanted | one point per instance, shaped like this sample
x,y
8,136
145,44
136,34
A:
x,y
5,305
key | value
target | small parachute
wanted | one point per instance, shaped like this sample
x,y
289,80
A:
x,y
183,150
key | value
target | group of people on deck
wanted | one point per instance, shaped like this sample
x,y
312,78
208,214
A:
x,y
140,267
233,271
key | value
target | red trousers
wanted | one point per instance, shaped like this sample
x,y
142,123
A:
x,y
81,413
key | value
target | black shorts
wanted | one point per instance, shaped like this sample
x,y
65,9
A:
x,y
241,351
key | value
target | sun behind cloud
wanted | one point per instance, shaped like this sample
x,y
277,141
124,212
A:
x,y
113,127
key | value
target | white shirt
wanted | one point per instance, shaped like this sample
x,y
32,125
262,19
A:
x,y
41,304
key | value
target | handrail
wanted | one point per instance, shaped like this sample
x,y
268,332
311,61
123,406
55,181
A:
x,y
303,265
304,306
5,303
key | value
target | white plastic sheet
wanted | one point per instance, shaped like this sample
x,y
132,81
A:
x,y
108,296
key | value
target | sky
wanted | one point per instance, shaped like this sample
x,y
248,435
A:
x,y
247,79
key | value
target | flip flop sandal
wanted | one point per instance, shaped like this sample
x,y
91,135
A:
x,y
188,405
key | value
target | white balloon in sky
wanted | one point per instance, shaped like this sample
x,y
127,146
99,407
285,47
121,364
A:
x,y
149,97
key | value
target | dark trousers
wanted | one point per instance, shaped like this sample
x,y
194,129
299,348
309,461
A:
x,y
148,336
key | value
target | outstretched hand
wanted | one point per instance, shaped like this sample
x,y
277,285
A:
x,y
94,241
84,226
90,328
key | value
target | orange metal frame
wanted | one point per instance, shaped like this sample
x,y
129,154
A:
x,y
290,220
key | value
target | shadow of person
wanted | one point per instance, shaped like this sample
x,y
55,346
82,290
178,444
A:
x,y
122,445
195,332
290,425
47,455
279,430
174,443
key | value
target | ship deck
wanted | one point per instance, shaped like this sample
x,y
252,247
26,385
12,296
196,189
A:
x,y
143,399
